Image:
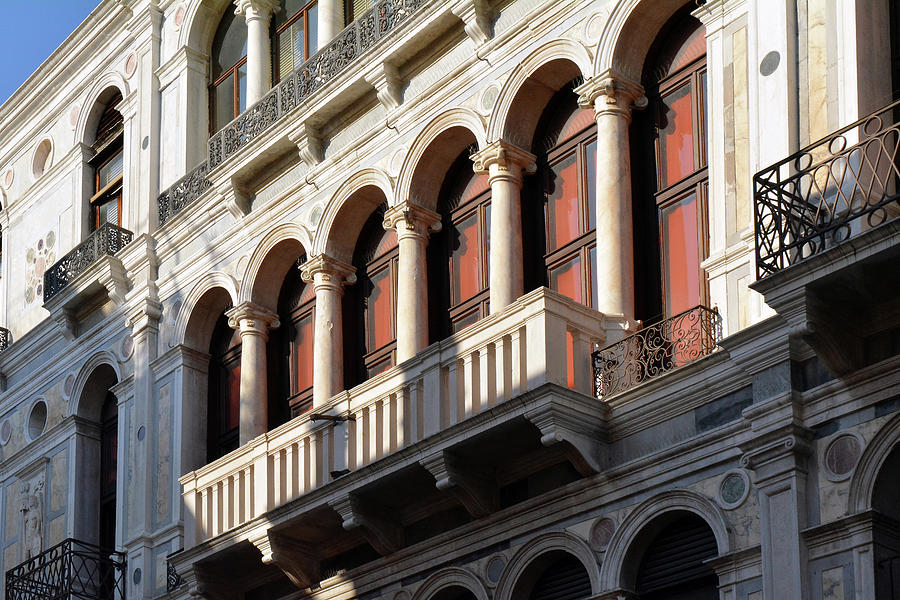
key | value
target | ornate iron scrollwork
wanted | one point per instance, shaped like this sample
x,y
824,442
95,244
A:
x,y
71,569
828,192
5,338
107,240
655,350
185,191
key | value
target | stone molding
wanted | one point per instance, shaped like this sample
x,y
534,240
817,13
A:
x,y
252,318
611,93
256,9
411,220
325,271
502,159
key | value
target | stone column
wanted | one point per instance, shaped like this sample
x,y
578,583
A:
x,y
504,164
612,98
253,322
413,224
331,20
258,13
329,276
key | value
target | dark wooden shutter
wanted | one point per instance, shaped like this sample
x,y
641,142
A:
x,y
676,556
565,579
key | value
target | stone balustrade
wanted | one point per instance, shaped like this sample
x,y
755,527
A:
x,y
540,338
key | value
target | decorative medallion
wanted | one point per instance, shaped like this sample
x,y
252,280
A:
x,y
5,432
8,178
69,385
397,161
126,347
489,98
734,487
601,533
494,569
73,115
130,64
38,259
315,216
141,434
593,29
841,456
37,420
179,16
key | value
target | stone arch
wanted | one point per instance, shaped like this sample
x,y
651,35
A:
x,y
351,205
201,19
531,85
630,31
622,544
201,309
862,483
545,546
451,577
269,263
80,400
455,129
94,103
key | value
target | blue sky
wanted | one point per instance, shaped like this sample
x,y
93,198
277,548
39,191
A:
x,y
30,31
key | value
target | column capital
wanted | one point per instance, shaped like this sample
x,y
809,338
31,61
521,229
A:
x,y
250,317
503,158
325,271
411,220
256,9
611,93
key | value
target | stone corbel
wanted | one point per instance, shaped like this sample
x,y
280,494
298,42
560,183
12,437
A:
x,y
388,85
203,584
580,434
309,143
115,280
611,92
235,199
477,17
67,323
474,487
299,562
778,452
384,535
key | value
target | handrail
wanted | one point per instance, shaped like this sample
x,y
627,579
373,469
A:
x,y
107,240
655,350
828,192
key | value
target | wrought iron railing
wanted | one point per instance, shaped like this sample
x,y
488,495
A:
x,y
828,192
655,350
71,570
323,66
5,338
173,579
107,240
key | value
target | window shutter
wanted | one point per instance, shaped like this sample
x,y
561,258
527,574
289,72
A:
x,y
566,579
676,556
360,6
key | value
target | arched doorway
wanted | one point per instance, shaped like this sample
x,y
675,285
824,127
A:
x,y
454,593
886,501
556,575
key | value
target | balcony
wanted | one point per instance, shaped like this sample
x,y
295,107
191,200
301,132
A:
x,y
5,338
106,241
71,570
376,462
828,240
656,350
326,64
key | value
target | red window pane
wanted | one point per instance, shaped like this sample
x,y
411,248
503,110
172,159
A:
x,y
461,323
379,367
682,255
464,260
233,399
562,203
676,137
566,279
303,342
570,360
378,310
590,174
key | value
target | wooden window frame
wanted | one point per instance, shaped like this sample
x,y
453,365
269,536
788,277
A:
x,y
221,439
276,46
480,301
300,401
111,192
371,357
235,92
586,241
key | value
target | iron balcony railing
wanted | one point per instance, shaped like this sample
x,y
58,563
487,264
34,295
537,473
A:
x,y
323,66
71,570
107,240
828,192
655,350
5,338
173,579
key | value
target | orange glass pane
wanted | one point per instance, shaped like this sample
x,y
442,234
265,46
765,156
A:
x,y
590,173
592,277
682,255
570,360
676,137
562,203
691,49
378,308
464,260
303,345
566,279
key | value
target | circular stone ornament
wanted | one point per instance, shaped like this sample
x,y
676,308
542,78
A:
x,y
8,178
734,487
769,63
601,533
489,98
493,570
841,455
5,432
130,64
126,348
37,420
179,16
69,385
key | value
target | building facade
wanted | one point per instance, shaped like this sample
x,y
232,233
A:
x,y
452,299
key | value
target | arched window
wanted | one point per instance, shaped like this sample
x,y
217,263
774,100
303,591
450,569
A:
x,y
224,390
673,565
291,371
671,185
228,92
460,254
108,163
556,575
886,500
373,301
566,147
296,35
